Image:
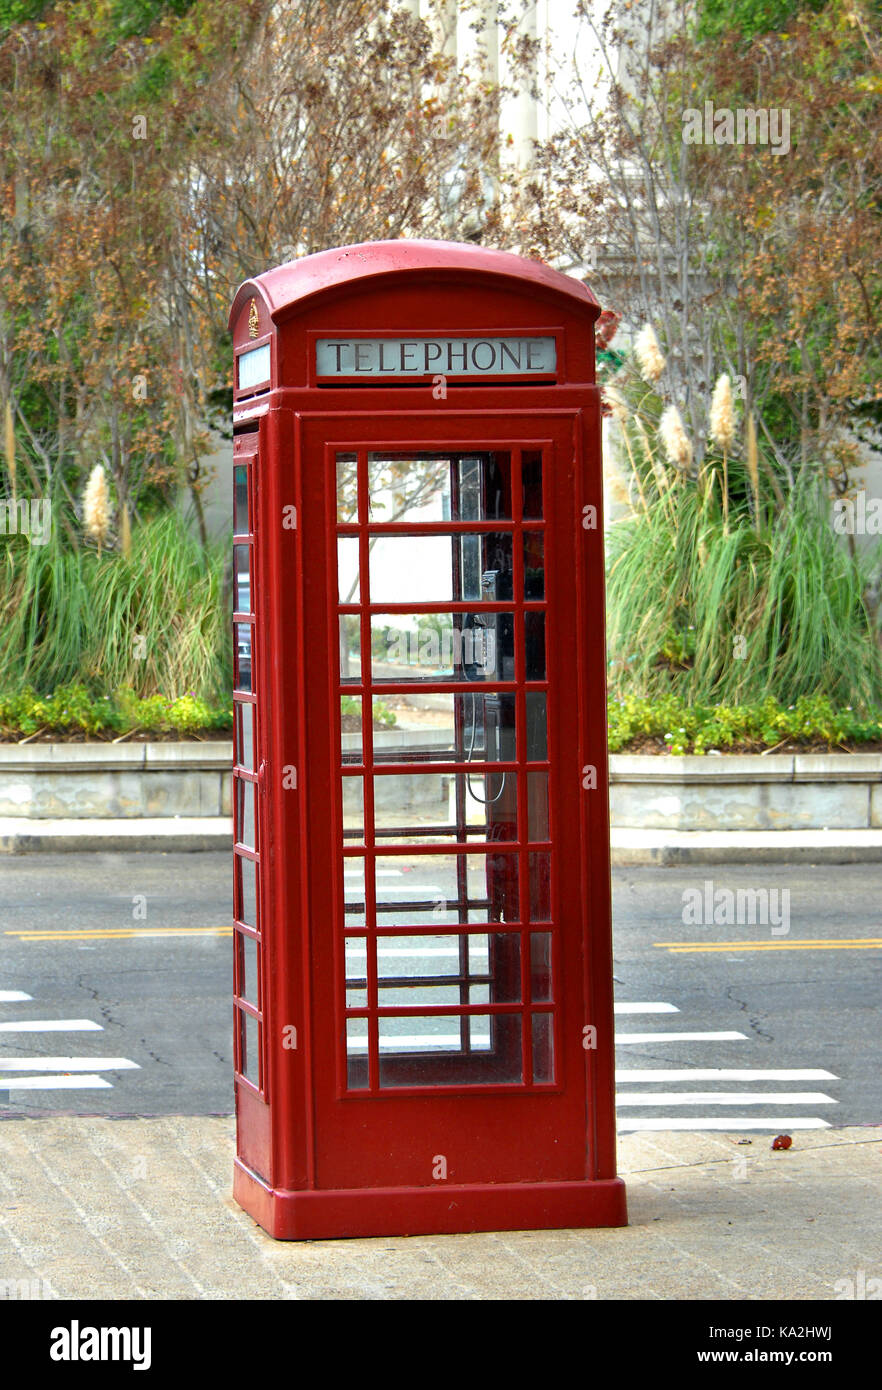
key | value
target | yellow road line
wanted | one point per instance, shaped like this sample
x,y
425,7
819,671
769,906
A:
x,y
867,943
118,933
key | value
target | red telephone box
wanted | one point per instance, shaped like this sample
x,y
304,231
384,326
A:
x,y
422,982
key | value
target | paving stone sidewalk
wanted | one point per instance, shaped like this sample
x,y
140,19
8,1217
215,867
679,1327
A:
x,y
141,1209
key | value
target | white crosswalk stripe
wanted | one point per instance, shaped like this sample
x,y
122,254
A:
x,y
679,1037
690,1092
65,1064
731,1123
84,1082
37,1074
625,1098
646,1009
52,1025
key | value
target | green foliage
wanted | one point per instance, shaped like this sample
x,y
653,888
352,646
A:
x,y
696,728
20,12
72,709
155,620
727,581
740,614
131,17
383,715
750,17
685,728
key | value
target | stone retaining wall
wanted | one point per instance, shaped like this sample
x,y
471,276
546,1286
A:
x,y
48,781
775,791
51,781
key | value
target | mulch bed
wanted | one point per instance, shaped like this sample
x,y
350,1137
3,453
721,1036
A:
x,y
648,744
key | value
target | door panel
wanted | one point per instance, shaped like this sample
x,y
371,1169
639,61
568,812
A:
x,y
444,893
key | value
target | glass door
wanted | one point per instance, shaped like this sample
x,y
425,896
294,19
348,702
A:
x,y
447,971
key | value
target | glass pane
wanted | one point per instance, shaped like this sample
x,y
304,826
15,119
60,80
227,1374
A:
x,y
356,1052
451,956
244,728
540,886
531,482
350,649
350,728
347,569
436,727
452,970
356,948
537,805
241,578
476,647
240,500
534,565
250,1047
425,487
409,487
537,735
434,569
247,983
353,891
439,806
246,812
543,1048
447,888
534,643
433,1033
540,967
475,1049
246,871
243,656
353,808
347,488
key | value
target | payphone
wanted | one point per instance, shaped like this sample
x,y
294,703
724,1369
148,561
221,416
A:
x,y
422,975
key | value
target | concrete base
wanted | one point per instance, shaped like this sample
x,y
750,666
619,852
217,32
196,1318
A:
x,y
444,1209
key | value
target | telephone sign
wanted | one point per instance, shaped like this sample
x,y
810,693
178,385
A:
x,y
409,357
422,968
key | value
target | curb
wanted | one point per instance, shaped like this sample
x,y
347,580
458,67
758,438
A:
x,y
628,847
22,835
671,848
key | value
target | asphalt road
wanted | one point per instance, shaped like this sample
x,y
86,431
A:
x,y
153,1015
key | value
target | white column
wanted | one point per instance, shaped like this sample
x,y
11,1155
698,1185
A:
x,y
519,124
440,15
477,37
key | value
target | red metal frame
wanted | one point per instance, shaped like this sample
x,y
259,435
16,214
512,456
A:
x,y
320,1154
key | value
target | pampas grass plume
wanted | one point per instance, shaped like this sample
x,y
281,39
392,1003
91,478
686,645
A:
x,y
649,354
96,506
722,414
674,438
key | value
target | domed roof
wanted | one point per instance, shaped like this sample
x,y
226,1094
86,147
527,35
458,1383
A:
x,y
288,284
